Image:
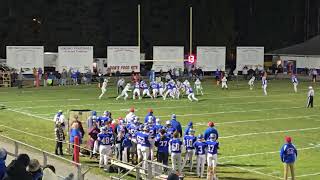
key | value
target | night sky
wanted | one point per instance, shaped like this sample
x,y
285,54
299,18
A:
x,y
270,23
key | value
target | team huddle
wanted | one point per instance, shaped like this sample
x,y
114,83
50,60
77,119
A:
x,y
135,141
173,89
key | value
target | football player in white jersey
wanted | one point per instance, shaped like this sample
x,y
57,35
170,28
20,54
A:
x,y
198,86
103,88
124,92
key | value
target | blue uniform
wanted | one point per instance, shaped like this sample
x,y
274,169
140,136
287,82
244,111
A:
x,y
158,127
102,120
154,85
162,144
264,81
105,139
147,117
288,153
200,147
144,85
294,79
175,124
170,131
190,90
126,143
186,131
175,145
212,146
189,140
209,131
143,139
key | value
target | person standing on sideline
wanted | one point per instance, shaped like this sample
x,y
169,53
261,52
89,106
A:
x,y
310,97
120,85
294,82
201,152
162,143
264,84
103,88
60,137
314,75
176,124
212,156
288,155
175,146
210,130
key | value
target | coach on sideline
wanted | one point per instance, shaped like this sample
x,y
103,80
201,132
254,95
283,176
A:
x,y
210,130
288,154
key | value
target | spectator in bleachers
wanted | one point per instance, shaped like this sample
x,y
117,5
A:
x,y
17,168
35,170
3,157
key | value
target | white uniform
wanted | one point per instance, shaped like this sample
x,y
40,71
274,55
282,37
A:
x,y
224,83
136,91
251,82
124,92
103,88
198,86
264,85
295,83
191,96
161,88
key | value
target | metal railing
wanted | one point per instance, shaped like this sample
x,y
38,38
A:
x,y
146,169
17,144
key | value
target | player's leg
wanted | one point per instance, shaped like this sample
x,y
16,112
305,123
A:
x,y
102,93
265,90
166,94
186,158
193,97
201,90
214,165
125,96
311,101
203,158
134,94
106,156
291,166
285,171
198,165
209,169
189,97
101,152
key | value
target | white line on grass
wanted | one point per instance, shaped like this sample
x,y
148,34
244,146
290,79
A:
x,y
306,175
28,114
151,101
270,132
263,153
166,107
238,111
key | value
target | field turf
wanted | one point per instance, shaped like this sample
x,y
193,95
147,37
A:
x,y
252,126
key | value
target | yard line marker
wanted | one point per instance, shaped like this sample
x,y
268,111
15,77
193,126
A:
x,y
306,175
254,171
238,111
257,120
152,101
263,153
28,114
270,132
166,107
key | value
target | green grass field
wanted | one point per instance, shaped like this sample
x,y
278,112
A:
x,y
252,127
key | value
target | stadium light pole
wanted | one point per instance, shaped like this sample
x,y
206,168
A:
x,y
139,27
190,35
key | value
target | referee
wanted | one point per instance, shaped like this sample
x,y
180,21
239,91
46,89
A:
x,y
310,97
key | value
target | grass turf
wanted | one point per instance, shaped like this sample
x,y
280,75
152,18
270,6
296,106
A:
x,y
252,127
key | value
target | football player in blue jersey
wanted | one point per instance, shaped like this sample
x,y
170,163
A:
x,y
158,125
155,89
143,141
161,88
170,130
295,82
212,156
136,91
175,146
162,143
288,155
145,88
200,147
210,130
105,140
191,96
103,119
188,142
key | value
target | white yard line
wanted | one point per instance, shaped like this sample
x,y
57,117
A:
x,y
151,101
166,107
306,175
263,153
28,114
270,132
238,111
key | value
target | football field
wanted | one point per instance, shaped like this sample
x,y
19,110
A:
x,y
251,126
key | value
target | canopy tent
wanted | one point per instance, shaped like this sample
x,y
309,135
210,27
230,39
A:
x,y
310,47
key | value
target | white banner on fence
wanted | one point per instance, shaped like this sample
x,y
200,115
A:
x,y
249,56
304,61
124,58
25,57
50,59
168,57
210,58
75,57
